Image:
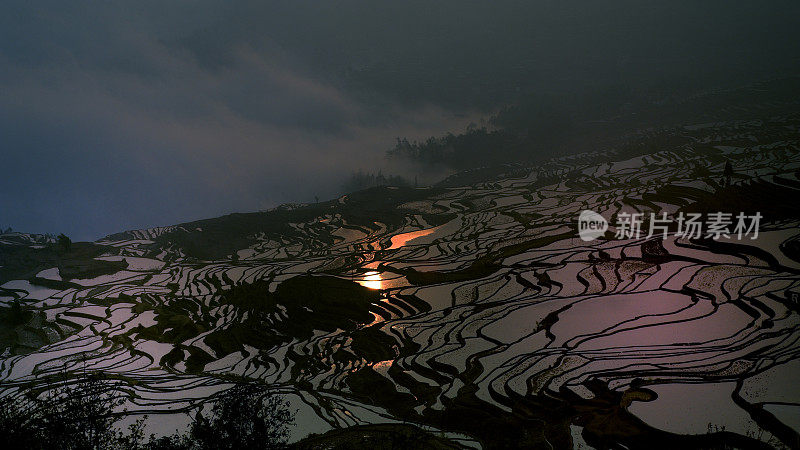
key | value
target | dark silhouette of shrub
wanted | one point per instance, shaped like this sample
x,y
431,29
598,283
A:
x,y
79,415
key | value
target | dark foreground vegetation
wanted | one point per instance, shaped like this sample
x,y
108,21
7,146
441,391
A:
x,y
83,414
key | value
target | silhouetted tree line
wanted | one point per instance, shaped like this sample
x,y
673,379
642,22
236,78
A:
x,y
365,180
82,415
539,126
533,128
475,147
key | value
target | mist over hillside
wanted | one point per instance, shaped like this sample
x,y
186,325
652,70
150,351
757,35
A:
x,y
121,115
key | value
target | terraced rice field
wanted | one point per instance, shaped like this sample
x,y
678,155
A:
x,y
474,310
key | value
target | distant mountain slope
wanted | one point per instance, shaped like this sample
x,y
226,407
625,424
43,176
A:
x,y
536,128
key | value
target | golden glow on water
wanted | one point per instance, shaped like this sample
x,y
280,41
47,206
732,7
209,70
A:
x,y
401,239
372,280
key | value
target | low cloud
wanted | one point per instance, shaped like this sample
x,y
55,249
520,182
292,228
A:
x,y
118,115
101,139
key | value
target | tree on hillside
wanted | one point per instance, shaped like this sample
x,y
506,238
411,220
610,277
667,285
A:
x,y
728,173
74,415
64,242
245,417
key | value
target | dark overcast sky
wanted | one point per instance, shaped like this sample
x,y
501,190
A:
x,y
120,115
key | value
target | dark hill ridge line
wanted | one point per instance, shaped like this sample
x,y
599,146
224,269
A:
x,y
220,237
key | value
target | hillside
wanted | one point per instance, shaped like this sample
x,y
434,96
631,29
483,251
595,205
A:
x,y
472,307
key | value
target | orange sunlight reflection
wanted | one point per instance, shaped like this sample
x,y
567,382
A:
x,y
372,280
401,239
